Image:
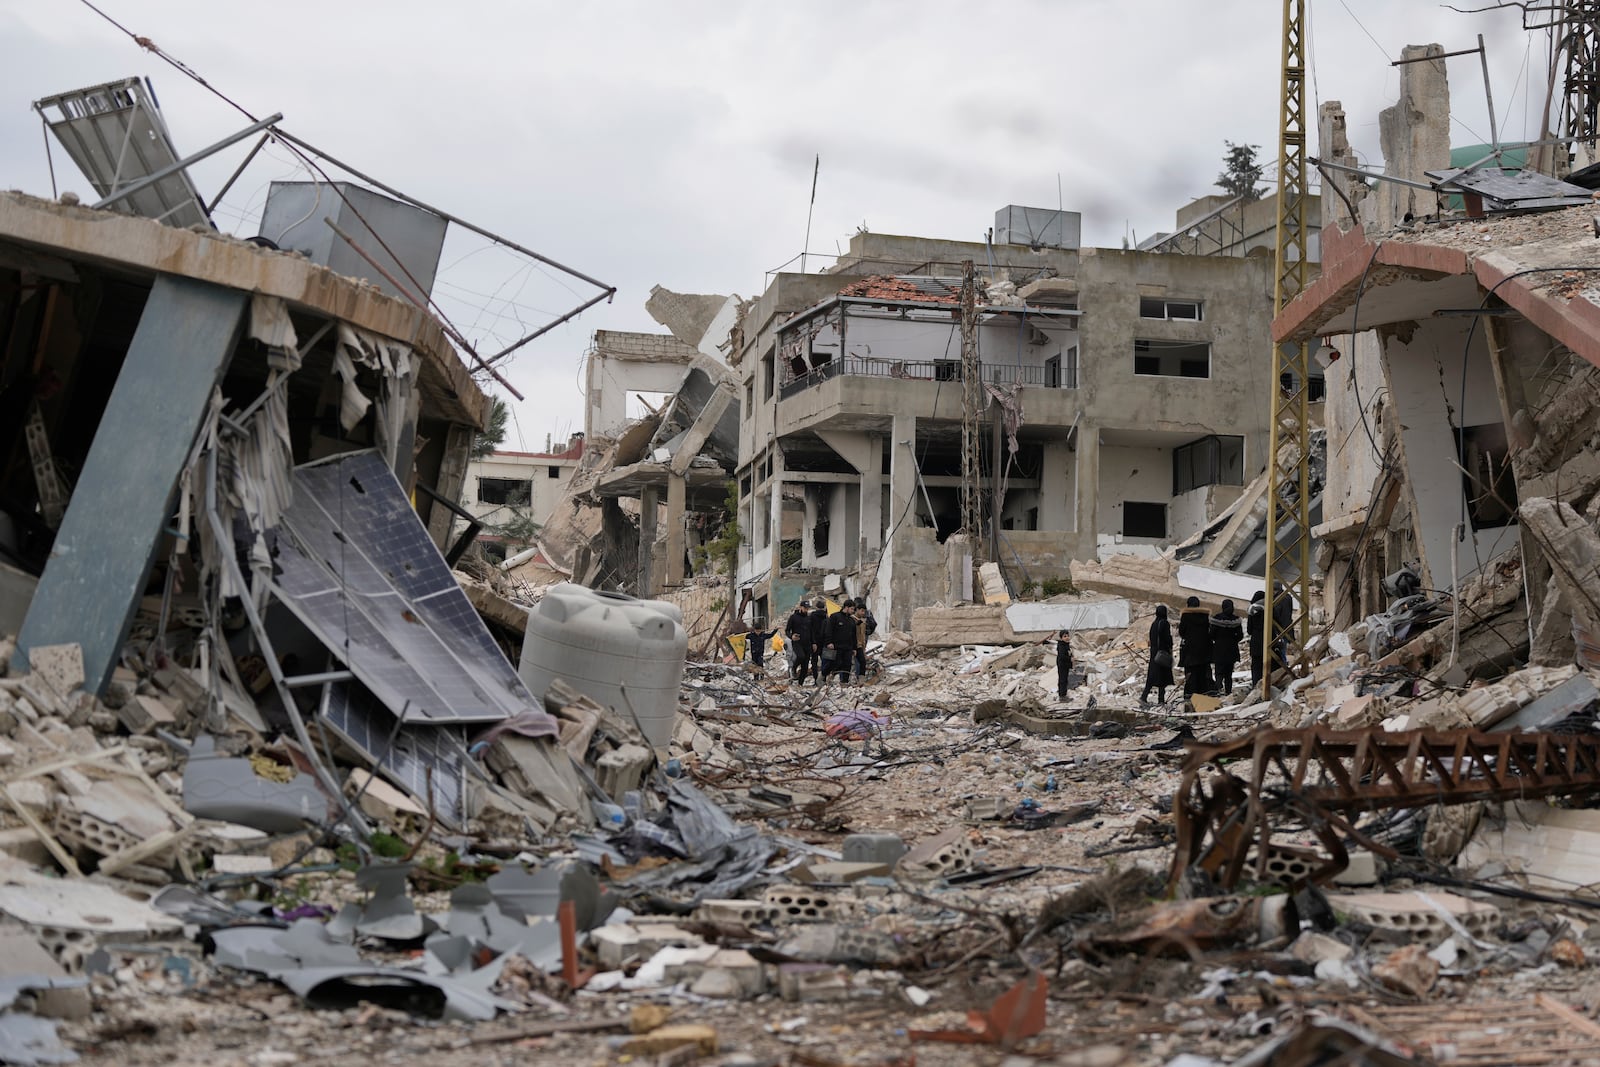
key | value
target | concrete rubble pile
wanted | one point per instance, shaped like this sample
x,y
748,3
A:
x,y
911,844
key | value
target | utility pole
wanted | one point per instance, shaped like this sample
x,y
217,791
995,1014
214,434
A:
x,y
1288,465
971,408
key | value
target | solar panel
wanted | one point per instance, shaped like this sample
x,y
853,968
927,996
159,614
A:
x,y
357,567
115,134
406,754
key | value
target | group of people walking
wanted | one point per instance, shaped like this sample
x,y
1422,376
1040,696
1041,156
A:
x,y
821,645
1208,645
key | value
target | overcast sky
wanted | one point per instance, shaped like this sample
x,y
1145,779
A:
x,y
671,142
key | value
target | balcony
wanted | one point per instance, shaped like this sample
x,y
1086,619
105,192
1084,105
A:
x,y
1051,375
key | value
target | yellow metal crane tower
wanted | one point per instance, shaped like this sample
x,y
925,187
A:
x,y
1288,440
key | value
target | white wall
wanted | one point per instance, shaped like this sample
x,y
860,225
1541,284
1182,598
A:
x,y
1352,462
1129,473
546,491
1426,383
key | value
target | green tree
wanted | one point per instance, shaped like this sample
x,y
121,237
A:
x,y
1241,171
493,435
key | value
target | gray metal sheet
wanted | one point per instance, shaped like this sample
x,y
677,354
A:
x,y
357,567
115,134
1509,187
405,754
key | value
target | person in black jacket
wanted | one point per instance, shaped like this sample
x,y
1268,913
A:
x,y
1226,630
1063,663
758,637
797,633
1256,623
1282,624
1194,648
1159,674
842,640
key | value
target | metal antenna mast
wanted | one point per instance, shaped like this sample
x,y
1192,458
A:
x,y
1288,521
971,407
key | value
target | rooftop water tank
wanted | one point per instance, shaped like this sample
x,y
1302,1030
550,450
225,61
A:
x,y
625,653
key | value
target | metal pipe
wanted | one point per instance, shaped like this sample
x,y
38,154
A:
x,y
1488,93
547,327
186,162
236,172
463,223
301,681
1371,174
421,303
301,734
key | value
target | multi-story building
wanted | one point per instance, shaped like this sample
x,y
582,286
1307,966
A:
x,y
1125,404
513,493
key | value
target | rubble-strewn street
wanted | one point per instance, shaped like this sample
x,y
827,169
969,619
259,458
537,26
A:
x,y
806,875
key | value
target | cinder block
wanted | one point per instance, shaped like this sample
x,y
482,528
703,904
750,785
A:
x,y
874,848
938,856
1410,913
735,912
622,769
1362,869
793,903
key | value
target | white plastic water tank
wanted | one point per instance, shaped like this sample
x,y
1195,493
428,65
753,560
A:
x,y
605,645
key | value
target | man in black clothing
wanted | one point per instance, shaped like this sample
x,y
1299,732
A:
x,y
1256,624
1282,623
797,633
1194,647
842,639
1226,629
1063,663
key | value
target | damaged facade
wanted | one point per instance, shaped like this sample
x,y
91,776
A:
x,y
1129,385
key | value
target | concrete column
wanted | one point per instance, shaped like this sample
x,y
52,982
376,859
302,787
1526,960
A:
x,y
1088,486
775,511
902,493
872,498
647,539
676,496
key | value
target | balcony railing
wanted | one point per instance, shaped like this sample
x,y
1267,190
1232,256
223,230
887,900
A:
x,y
1051,376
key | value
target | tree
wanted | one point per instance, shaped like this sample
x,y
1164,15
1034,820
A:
x,y
1241,171
493,435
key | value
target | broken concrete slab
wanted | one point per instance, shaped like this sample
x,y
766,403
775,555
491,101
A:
x,y
25,965
27,1039
1115,613
54,903
1551,848
1428,916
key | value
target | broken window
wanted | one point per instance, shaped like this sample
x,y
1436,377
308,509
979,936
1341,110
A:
x,y
554,472
1487,481
1211,460
1172,359
766,376
1160,307
749,395
515,492
946,370
1143,519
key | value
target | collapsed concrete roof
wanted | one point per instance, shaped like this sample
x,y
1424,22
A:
x,y
1542,265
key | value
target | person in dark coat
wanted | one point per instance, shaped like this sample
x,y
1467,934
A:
x,y
1194,647
1256,624
1226,631
1159,674
842,640
1282,624
797,635
1063,663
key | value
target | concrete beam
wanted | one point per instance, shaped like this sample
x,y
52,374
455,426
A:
x,y
647,539
108,539
695,437
852,445
148,248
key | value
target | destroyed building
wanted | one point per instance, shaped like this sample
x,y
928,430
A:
x,y
512,494
1130,387
1455,320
